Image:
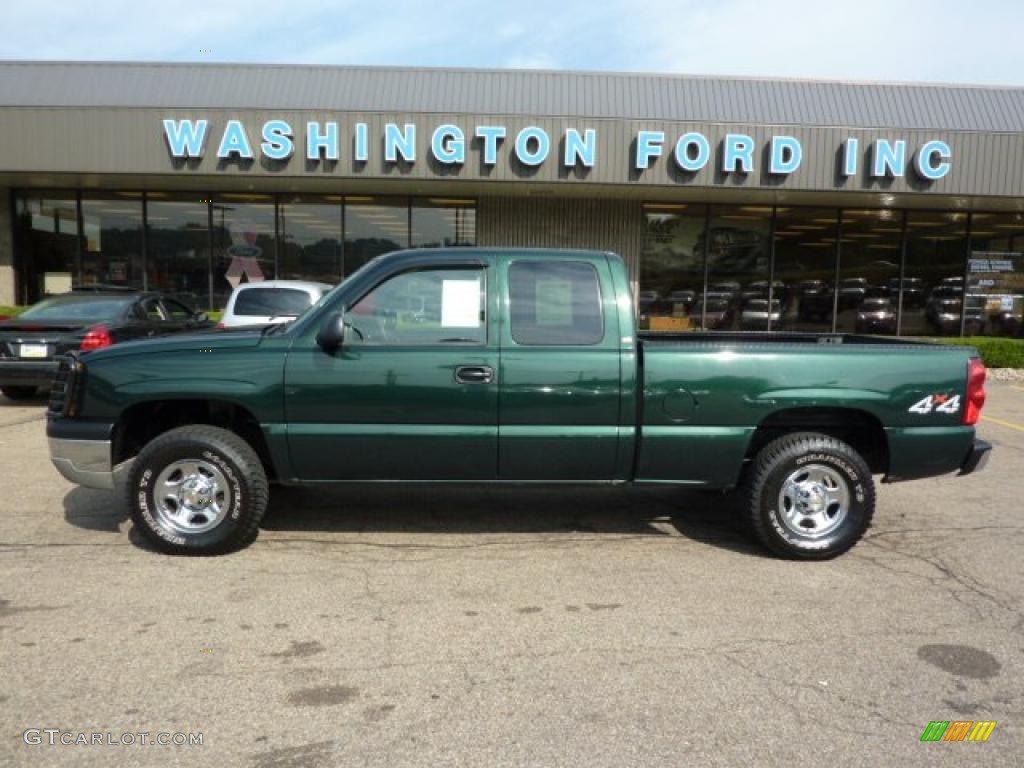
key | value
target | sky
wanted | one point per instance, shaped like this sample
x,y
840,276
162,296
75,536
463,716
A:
x,y
977,41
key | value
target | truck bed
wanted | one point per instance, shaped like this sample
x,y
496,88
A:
x,y
704,395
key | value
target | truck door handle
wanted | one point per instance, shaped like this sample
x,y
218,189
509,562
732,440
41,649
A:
x,y
474,374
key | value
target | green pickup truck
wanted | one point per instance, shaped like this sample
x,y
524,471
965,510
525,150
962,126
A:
x,y
510,366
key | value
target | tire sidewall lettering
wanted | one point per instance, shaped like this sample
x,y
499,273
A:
x,y
144,497
769,505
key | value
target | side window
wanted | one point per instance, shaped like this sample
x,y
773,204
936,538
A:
x,y
438,306
177,312
555,303
151,308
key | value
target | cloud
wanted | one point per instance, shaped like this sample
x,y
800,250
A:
x,y
940,40
537,60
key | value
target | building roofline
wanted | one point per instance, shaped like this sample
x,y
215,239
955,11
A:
x,y
394,69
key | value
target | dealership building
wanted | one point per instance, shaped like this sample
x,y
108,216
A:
x,y
736,203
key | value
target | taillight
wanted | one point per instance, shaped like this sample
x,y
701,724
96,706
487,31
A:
x,y
975,391
97,337
221,326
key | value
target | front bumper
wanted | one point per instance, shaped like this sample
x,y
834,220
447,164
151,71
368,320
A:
x,y
977,457
27,373
85,462
81,451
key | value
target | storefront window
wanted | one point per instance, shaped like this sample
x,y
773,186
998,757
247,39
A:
x,y
310,234
995,275
933,282
805,268
178,246
672,267
374,225
46,233
112,239
443,222
244,247
869,270
739,254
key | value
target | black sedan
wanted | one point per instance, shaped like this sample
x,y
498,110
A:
x,y
82,320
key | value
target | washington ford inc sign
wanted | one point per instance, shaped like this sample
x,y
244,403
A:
x,y
449,144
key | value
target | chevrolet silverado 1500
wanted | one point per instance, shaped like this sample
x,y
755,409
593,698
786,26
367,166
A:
x,y
510,366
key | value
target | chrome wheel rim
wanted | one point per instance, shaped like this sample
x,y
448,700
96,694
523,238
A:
x,y
191,496
814,501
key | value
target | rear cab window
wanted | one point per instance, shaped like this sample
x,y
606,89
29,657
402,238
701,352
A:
x,y
555,303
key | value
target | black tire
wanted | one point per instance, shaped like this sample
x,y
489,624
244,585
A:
x,y
18,393
239,466
785,457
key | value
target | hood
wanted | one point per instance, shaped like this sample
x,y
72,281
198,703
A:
x,y
184,342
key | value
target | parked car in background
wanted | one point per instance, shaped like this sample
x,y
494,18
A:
x,y
270,301
728,290
716,310
876,315
915,292
680,302
84,319
755,315
646,301
942,312
815,301
759,290
852,291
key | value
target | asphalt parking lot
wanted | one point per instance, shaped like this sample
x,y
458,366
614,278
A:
x,y
513,628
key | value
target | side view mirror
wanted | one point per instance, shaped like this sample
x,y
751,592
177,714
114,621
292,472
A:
x,y
332,333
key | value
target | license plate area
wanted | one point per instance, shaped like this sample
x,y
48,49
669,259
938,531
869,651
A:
x,y
33,351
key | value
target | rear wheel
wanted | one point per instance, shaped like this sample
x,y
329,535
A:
x,y
18,393
809,496
197,490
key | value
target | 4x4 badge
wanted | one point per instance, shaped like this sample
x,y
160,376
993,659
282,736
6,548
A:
x,y
937,404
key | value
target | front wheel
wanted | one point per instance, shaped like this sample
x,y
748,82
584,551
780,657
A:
x,y
809,496
197,490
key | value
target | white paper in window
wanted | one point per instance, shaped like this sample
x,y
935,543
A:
x,y
460,304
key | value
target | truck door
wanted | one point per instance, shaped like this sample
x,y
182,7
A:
x,y
560,370
412,393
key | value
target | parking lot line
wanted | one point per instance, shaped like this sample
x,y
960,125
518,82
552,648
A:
x,y
1010,424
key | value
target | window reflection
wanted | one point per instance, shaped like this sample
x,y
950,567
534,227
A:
x,y
672,267
243,242
178,247
373,226
310,232
440,222
112,240
46,234
739,252
995,275
932,296
805,267
869,259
